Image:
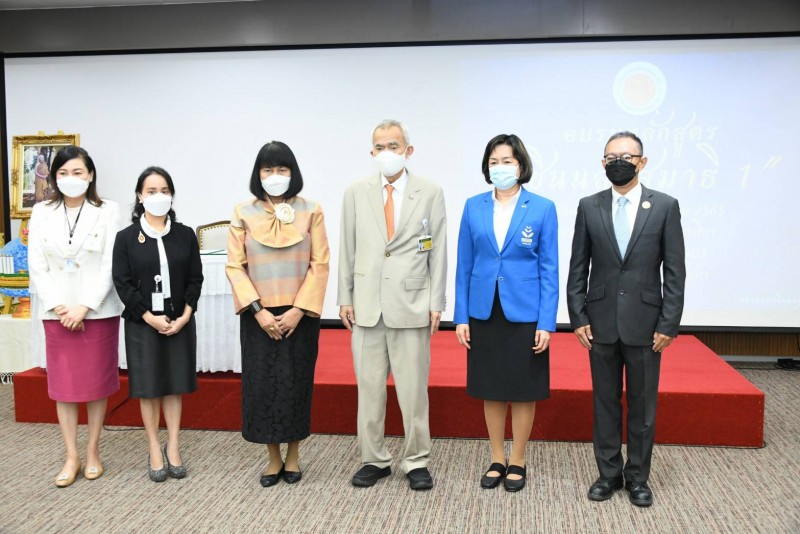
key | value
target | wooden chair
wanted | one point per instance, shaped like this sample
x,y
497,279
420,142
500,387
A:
x,y
213,236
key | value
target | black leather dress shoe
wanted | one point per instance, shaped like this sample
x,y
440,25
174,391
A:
x,y
420,479
604,488
515,485
488,482
369,474
290,477
271,480
639,493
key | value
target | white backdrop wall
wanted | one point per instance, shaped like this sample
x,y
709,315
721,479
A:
x,y
718,119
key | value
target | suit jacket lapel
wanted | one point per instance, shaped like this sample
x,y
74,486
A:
x,y
604,206
641,218
85,224
519,213
54,226
410,202
488,220
375,198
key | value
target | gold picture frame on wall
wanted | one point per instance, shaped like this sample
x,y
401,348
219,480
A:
x,y
31,156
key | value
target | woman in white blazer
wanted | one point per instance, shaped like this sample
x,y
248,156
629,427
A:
x,y
69,254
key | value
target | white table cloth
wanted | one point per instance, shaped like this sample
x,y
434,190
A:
x,y
218,346
15,345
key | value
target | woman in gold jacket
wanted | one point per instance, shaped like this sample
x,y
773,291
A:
x,y
278,268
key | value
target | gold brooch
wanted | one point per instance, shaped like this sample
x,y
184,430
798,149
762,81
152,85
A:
x,y
141,237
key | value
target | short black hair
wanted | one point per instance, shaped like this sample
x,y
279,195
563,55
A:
x,y
276,154
520,154
629,135
138,207
64,155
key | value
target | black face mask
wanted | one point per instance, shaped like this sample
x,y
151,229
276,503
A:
x,y
620,172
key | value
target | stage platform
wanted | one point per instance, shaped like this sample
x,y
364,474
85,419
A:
x,y
702,399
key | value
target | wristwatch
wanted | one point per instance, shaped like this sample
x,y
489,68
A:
x,y
256,307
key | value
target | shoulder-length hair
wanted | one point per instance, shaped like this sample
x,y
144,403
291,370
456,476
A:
x,y
276,154
64,155
138,207
520,154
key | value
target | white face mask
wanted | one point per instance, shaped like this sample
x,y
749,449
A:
x,y
389,163
158,204
72,187
276,184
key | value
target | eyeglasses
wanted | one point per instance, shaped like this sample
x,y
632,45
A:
x,y
611,158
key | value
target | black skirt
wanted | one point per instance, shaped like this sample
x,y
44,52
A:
x,y
501,365
160,365
277,380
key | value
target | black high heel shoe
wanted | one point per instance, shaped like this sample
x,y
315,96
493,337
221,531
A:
x,y
488,482
157,475
271,480
515,485
175,471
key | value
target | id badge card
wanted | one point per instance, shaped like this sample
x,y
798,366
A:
x,y
158,295
425,243
70,265
158,302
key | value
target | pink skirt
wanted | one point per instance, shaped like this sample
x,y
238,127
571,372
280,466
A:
x,y
82,366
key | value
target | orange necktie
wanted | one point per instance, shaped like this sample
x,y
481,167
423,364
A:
x,y
388,210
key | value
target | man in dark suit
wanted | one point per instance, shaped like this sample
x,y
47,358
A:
x,y
626,315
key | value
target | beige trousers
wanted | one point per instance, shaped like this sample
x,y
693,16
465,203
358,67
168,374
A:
x,y
406,353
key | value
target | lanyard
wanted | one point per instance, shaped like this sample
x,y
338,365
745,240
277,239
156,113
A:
x,y
72,228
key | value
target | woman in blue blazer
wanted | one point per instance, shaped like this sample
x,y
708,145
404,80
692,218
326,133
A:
x,y
506,302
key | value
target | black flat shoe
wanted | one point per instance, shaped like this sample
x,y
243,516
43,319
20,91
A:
x,y
420,479
604,488
369,474
639,493
271,480
488,482
290,477
515,485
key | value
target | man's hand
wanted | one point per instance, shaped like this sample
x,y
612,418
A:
x,y
584,334
348,316
542,340
462,335
661,342
436,318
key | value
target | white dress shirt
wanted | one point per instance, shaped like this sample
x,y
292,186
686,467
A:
x,y
634,196
502,217
397,195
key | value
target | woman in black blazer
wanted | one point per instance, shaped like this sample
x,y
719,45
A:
x,y
158,276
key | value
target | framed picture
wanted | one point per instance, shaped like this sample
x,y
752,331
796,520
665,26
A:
x,y
31,156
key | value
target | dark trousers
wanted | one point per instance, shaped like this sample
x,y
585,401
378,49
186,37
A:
x,y
641,366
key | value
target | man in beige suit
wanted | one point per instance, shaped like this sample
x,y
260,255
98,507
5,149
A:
x,y
392,273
